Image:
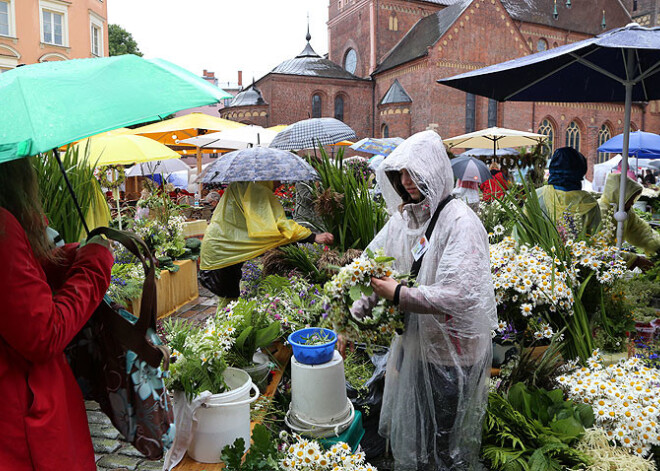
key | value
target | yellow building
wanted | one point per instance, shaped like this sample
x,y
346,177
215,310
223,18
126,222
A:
x,y
34,31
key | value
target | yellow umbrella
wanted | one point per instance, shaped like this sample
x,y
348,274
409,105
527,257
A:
x,y
124,149
278,128
172,131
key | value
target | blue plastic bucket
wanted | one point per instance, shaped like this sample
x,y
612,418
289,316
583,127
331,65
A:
x,y
312,354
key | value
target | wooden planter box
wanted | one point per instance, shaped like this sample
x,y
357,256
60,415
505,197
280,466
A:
x,y
173,290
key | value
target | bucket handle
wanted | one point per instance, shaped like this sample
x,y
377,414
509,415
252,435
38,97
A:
x,y
250,400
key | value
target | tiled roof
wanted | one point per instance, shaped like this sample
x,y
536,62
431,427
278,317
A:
x,y
423,34
583,17
395,94
309,63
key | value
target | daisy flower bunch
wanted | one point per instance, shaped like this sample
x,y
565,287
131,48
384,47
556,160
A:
x,y
307,455
625,397
348,285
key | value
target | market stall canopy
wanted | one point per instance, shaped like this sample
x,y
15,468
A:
x,y
158,167
309,133
51,104
238,138
470,169
372,145
123,149
174,131
641,144
488,153
621,65
259,164
495,138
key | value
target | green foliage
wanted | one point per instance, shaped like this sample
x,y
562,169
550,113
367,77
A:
x,y
57,202
126,282
121,42
305,260
262,456
533,429
345,204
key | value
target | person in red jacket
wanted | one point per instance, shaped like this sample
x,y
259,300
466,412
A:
x,y
47,298
496,186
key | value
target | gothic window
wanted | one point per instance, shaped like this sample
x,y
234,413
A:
x,y
350,61
339,107
384,131
541,45
492,113
604,135
573,136
394,23
470,112
547,129
316,106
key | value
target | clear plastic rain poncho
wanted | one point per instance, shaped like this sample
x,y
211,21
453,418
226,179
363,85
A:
x,y
248,221
436,386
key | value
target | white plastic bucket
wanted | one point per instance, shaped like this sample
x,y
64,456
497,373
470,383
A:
x,y
224,418
318,392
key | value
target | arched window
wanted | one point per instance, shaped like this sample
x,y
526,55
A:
x,y
547,129
339,107
573,136
316,106
350,61
384,131
541,45
604,135
530,43
394,23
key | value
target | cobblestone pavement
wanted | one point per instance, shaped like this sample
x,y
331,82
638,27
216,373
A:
x,y
111,451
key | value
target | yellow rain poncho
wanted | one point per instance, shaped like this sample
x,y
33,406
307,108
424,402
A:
x,y
580,203
248,221
635,230
99,213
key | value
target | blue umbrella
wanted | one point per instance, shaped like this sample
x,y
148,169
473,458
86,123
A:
x,y
641,144
259,164
383,146
617,66
470,169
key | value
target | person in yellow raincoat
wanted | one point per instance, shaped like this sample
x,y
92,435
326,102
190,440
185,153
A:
x,y
564,190
636,231
248,221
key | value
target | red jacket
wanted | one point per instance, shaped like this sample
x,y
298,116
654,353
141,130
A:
x,y
42,412
494,188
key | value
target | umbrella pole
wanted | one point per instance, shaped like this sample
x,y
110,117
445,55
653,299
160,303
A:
x,y
621,215
73,194
115,194
199,171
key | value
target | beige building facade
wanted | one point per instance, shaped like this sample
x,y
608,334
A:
x,y
34,31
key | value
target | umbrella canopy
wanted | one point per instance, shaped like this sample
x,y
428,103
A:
x,y
621,65
655,164
162,167
383,146
309,133
259,164
641,144
470,169
495,138
124,149
50,104
238,138
504,152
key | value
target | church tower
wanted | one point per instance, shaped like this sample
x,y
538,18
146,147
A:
x,y
362,32
644,12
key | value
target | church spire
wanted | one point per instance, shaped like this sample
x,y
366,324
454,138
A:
x,y
308,51
309,36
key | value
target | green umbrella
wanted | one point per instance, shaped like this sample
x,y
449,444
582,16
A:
x,y
47,105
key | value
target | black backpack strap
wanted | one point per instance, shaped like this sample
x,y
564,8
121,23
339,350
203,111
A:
x,y
414,271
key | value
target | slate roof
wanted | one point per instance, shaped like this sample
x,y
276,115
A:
x,y
583,17
308,63
426,32
395,94
251,96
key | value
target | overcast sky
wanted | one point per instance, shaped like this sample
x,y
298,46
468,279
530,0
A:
x,y
223,36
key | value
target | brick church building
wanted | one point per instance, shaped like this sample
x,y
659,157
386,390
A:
x,y
386,55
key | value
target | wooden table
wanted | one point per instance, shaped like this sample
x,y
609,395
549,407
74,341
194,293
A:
x,y
173,290
282,357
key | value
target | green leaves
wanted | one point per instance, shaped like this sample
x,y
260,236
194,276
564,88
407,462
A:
x,y
262,456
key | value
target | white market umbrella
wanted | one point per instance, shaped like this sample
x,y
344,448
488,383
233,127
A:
x,y
164,167
495,139
239,138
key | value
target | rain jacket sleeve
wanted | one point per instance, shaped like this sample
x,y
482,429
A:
x,y
248,221
555,202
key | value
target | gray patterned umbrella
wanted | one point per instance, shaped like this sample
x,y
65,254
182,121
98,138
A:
x,y
309,133
257,164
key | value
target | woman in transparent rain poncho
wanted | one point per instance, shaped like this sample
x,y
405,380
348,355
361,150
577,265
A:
x,y
436,385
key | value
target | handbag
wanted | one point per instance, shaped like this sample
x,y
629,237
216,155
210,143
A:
x,y
116,359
